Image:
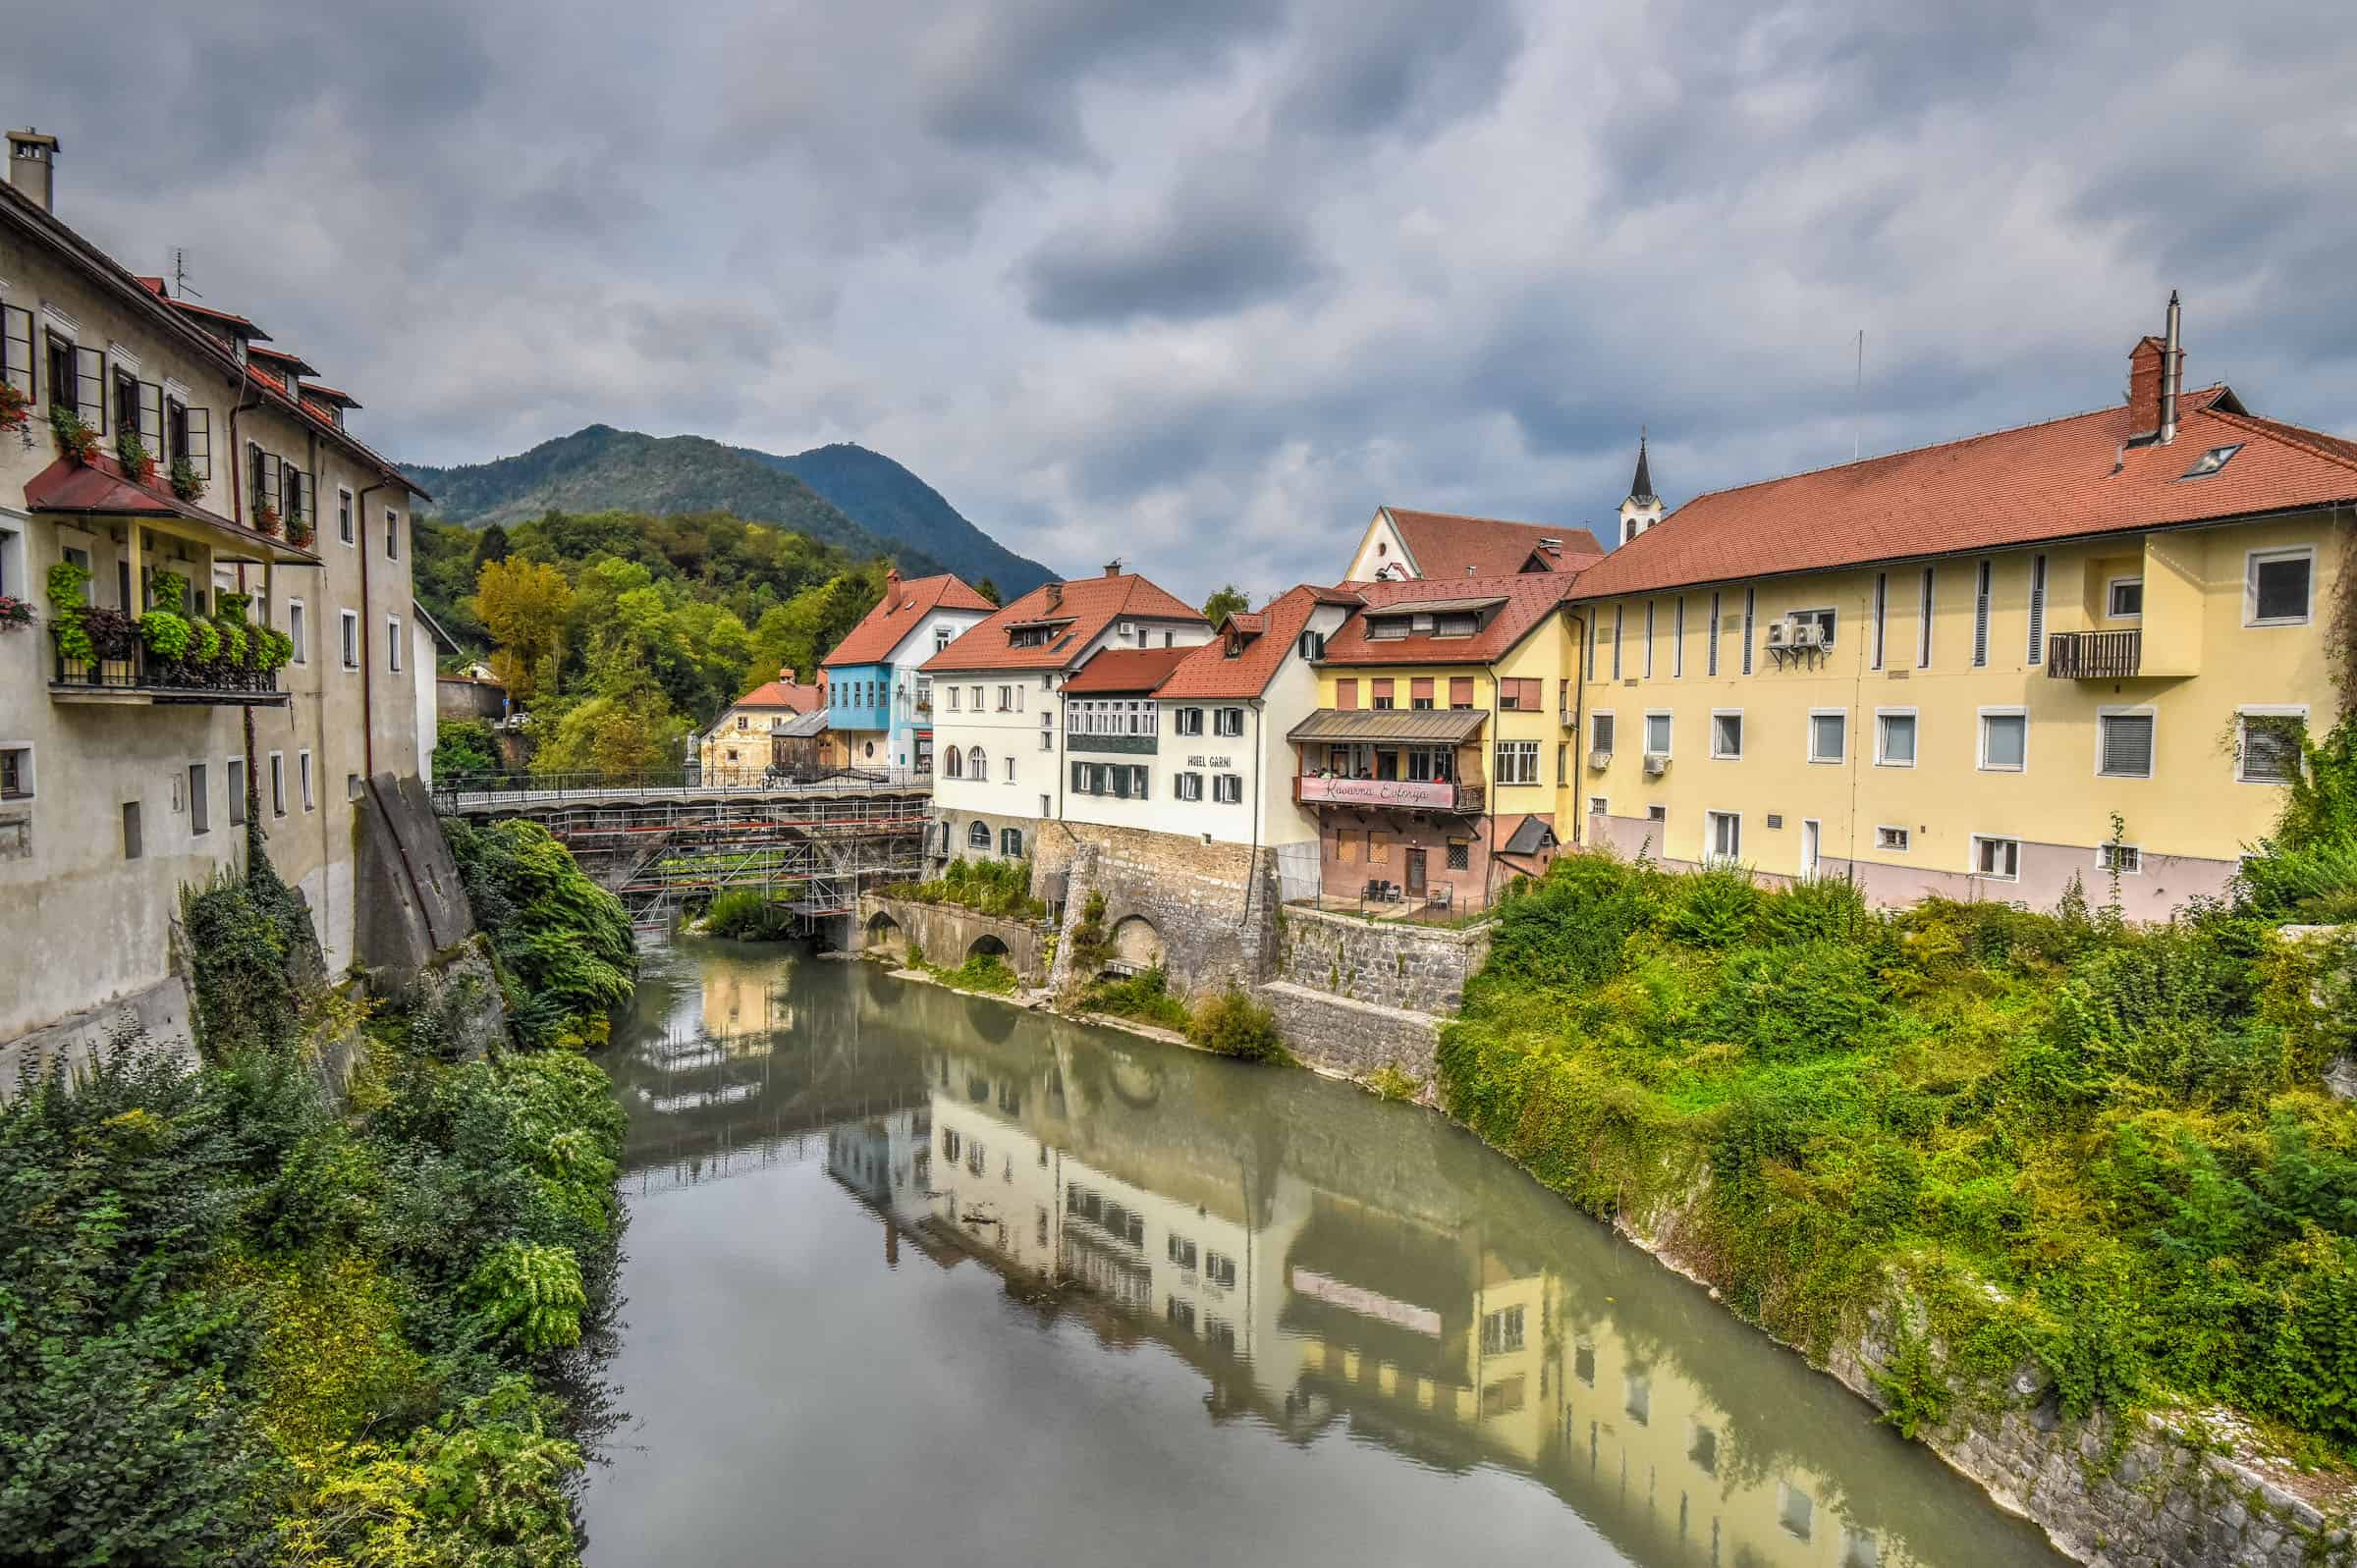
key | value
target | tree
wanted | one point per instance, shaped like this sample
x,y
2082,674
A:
x,y
624,725
490,545
1230,600
988,590
524,604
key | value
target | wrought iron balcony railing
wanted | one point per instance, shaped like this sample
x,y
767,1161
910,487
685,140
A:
x,y
130,672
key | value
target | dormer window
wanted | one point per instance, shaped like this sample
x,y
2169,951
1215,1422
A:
x,y
1387,629
1460,623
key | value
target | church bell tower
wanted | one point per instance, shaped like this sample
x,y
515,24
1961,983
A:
x,y
1643,509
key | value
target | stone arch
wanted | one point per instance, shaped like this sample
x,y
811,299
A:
x,y
1137,944
988,946
884,935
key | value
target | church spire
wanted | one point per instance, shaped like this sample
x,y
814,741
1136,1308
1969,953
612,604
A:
x,y
1643,509
1641,488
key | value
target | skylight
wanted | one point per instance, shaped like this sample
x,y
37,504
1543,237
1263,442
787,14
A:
x,y
2209,463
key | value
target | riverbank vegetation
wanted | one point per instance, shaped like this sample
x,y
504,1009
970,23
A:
x,y
246,1319
565,956
2103,1151
746,914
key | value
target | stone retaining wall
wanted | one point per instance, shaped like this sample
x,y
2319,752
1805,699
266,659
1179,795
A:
x,y
1206,905
1419,968
1355,1039
948,934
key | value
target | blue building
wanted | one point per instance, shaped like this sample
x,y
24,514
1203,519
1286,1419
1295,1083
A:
x,y
878,706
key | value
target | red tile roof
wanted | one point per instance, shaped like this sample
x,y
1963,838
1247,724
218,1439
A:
x,y
781,694
295,361
1441,544
1208,672
1530,597
100,488
900,612
2047,481
1082,608
1125,671
242,327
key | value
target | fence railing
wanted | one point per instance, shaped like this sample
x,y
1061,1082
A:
x,y
2094,654
515,786
133,668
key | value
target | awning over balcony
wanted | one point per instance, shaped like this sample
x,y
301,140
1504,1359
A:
x,y
101,489
1429,727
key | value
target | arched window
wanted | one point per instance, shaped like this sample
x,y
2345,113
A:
x,y
953,763
1011,842
978,836
977,765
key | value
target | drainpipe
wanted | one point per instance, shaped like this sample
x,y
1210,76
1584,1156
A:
x,y
237,497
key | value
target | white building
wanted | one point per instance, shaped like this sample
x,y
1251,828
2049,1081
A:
x,y
878,703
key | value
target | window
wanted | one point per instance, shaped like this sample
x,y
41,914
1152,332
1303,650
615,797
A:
x,y
1460,854
1678,637
1518,762
2123,598
1595,641
2275,587
1182,1253
1893,839
1461,691
1980,615
1189,721
1047,733
1380,690
278,783
1420,693
952,764
1657,735
1011,842
1313,645
977,764
2124,745
1502,1332
2120,860
1894,738
393,643
1657,812
391,534
977,691
2005,741
1219,1269
299,630
953,693
1649,639
344,530
352,638
2209,463
236,781
16,772
1881,616
1923,624
1227,788
1523,694
1617,617
16,348
1711,645
302,777
1010,774
1187,786
977,837
2269,746
133,845
352,786
1828,734
1599,733
1599,806
1751,605
1228,722
2037,609
1724,835
1999,860
1727,733
200,799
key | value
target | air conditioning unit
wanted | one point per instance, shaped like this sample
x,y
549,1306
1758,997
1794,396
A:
x,y
1803,634
1656,765
1777,632
1600,760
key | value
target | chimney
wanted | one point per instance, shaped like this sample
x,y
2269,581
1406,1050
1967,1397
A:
x,y
1113,567
786,674
2144,386
32,167
1055,596
2173,367
892,586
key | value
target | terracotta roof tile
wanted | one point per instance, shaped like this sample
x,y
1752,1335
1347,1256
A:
x,y
779,694
1271,633
1085,607
897,615
1529,598
1125,669
2014,487
1443,544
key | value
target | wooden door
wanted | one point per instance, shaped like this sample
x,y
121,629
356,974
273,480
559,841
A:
x,y
1415,873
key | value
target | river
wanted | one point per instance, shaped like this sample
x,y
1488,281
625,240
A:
x,y
917,1277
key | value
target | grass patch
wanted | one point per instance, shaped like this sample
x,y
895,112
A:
x,y
1144,996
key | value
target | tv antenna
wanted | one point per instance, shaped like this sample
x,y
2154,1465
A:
x,y
180,275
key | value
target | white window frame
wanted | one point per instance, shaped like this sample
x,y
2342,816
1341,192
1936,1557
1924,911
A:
x,y
393,644
1677,638
2112,585
201,797
391,534
2252,561
1926,613
1228,788
1972,866
349,650
299,630
1599,806
1603,716
1227,723
2261,710
1736,714
1841,714
1501,754
1712,855
29,773
1913,715
1011,765
302,777
278,783
1980,735
232,779
2127,711
1186,785
347,516
2103,864
14,580
1907,838
1667,716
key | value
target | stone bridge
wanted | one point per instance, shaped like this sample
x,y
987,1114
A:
x,y
949,934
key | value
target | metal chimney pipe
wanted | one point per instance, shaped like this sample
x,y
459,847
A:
x,y
2170,357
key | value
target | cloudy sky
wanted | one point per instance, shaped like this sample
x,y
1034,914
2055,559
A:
x,y
1203,284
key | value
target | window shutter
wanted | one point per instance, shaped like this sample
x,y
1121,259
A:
x,y
1080,777
1980,617
16,348
200,443
1345,695
1419,689
2037,609
89,390
2128,745
1461,691
151,420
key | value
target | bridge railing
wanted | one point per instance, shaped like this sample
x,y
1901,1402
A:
x,y
456,792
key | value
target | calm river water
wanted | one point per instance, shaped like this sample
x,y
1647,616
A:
x,y
916,1278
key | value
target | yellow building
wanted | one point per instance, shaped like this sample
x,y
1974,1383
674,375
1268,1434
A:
x,y
1434,763
739,748
1983,668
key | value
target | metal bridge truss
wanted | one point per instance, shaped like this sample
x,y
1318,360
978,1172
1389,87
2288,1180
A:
x,y
815,854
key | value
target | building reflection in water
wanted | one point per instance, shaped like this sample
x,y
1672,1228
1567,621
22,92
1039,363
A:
x,y
1328,1264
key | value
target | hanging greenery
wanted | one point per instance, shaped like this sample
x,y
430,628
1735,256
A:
x,y
131,452
167,635
15,409
205,642
76,439
68,604
185,482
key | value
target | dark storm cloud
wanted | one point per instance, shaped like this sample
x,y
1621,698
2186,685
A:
x,y
1205,283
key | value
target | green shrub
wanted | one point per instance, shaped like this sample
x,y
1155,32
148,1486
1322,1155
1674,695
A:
x,y
1145,997
564,943
1233,1024
983,971
987,886
1715,908
463,747
1389,1083
744,915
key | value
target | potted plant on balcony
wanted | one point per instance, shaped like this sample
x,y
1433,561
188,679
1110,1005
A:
x,y
167,635
300,533
186,483
76,439
67,585
15,612
266,518
138,464
16,410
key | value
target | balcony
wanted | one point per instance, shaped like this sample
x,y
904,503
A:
x,y
132,676
1410,795
1129,745
2094,654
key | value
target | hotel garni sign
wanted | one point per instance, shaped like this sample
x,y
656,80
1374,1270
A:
x,y
1380,791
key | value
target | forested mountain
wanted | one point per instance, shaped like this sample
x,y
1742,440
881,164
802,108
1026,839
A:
x,y
856,500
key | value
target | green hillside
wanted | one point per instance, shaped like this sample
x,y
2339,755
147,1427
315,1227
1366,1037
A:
x,y
859,502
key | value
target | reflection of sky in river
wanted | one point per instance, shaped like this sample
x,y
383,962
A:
x,y
1041,1286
